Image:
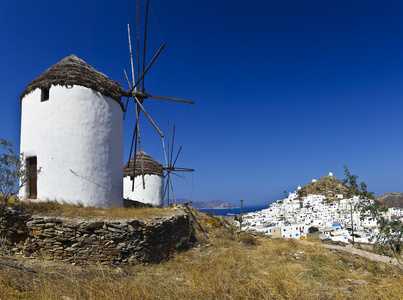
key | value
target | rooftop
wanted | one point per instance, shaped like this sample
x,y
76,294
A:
x,y
74,71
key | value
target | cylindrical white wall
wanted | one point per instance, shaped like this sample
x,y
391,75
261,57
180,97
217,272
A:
x,y
152,194
77,137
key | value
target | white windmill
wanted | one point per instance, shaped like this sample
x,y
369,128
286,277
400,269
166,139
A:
x,y
153,175
72,127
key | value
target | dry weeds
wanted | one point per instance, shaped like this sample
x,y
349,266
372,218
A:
x,y
55,209
221,267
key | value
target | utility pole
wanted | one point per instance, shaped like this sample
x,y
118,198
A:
x,y
240,221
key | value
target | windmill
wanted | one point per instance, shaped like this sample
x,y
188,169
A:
x,y
170,167
138,94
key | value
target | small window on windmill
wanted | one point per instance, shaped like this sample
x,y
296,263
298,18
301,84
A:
x,y
44,94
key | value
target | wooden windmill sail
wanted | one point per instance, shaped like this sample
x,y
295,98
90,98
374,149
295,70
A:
x,y
170,167
138,94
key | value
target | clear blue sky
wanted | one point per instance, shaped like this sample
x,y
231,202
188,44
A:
x,y
285,91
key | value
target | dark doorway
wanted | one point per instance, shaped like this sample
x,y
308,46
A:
x,y
32,168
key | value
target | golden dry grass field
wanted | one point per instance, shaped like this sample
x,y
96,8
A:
x,y
222,266
55,209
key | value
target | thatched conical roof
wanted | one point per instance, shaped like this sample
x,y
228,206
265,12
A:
x,y
150,166
74,71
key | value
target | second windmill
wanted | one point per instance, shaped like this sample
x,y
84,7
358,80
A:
x,y
138,94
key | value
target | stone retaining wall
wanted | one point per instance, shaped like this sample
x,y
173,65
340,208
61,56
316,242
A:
x,y
103,241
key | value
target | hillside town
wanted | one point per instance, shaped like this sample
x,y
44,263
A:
x,y
319,207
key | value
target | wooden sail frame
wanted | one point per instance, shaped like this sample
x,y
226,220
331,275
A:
x,y
138,94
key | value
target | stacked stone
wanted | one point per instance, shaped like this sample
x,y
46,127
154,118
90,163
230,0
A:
x,y
100,241
13,227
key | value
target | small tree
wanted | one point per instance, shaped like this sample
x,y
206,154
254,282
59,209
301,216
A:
x,y
389,239
355,189
13,174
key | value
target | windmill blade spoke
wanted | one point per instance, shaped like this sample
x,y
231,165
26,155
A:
x,y
138,39
144,48
148,67
137,131
172,187
165,189
149,118
131,54
127,102
168,146
130,86
134,160
168,179
169,98
127,78
183,169
178,175
141,155
131,147
172,149
165,153
144,95
177,155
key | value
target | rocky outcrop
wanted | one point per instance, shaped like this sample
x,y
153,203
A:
x,y
101,241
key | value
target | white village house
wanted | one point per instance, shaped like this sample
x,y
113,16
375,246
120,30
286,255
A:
x,y
153,190
72,128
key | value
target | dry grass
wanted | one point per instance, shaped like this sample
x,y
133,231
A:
x,y
222,268
55,209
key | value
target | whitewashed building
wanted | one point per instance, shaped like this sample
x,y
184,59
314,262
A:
x,y
72,128
289,231
153,190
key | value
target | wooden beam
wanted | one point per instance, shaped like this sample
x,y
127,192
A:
x,y
148,67
149,118
171,99
145,96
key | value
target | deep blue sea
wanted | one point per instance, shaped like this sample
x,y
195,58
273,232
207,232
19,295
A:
x,y
235,211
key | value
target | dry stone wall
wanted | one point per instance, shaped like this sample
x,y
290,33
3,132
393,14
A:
x,y
99,241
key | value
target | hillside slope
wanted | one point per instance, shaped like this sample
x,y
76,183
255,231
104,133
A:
x,y
328,186
392,199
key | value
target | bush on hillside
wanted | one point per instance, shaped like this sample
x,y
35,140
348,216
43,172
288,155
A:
x,y
247,239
